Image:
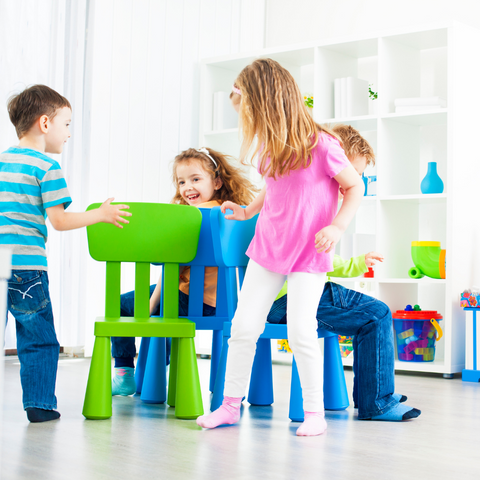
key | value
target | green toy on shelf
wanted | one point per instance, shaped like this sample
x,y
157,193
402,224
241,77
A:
x,y
429,260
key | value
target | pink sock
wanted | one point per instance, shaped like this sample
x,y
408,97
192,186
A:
x,y
314,424
227,414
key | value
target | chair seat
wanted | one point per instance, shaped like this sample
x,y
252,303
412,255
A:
x,y
144,327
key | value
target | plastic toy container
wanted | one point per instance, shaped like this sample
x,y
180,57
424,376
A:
x,y
417,332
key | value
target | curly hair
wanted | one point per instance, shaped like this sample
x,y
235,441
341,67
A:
x,y
353,143
235,186
273,108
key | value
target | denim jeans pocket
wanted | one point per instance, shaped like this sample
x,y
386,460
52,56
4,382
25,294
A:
x,y
28,291
346,298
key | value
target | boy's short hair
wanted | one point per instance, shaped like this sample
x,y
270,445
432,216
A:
x,y
27,107
353,143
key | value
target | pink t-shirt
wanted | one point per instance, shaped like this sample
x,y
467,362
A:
x,y
296,207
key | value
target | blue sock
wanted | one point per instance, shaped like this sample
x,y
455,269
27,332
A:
x,y
123,382
398,413
37,415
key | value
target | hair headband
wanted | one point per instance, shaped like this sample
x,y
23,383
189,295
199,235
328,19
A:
x,y
236,90
206,152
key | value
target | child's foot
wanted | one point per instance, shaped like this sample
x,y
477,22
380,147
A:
x,y
314,424
396,396
227,414
398,413
123,382
37,415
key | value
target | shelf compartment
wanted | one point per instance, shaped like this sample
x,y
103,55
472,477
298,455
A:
x,y
402,223
405,149
412,65
350,59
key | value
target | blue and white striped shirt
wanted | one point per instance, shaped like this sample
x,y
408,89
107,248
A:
x,y
30,182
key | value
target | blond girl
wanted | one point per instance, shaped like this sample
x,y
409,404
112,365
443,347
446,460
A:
x,y
303,166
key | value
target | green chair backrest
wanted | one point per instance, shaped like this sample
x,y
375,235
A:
x,y
157,233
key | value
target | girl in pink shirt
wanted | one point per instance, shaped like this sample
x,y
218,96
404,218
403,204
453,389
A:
x,y
303,165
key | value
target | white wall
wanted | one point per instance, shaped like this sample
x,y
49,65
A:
x,y
142,96
305,20
131,71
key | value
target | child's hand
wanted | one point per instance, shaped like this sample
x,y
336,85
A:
x,y
238,212
372,258
327,238
113,213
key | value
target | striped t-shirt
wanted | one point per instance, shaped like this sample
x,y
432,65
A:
x,y
30,182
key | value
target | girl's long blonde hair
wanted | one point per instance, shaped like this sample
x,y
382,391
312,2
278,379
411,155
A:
x,y
235,187
272,107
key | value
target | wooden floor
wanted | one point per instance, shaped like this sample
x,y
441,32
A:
x,y
147,442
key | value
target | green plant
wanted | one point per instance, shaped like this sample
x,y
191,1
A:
x,y
373,95
308,99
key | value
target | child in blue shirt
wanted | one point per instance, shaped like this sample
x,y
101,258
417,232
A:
x,y
32,188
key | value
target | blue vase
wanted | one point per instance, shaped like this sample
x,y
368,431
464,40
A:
x,y
432,183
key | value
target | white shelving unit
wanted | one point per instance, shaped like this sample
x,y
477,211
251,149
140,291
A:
x,y
434,61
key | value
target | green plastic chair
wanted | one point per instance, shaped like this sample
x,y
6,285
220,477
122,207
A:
x,y
157,233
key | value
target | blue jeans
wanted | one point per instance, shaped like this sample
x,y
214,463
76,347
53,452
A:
x,y
124,347
347,312
37,346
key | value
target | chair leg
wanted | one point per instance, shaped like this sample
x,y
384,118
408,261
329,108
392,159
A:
x,y
154,388
98,396
296,413
215,358
141,362
261,380
334,387
217,397
188,402
172,376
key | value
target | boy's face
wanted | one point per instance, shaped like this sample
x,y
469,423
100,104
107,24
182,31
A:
x,y
195,183
58,132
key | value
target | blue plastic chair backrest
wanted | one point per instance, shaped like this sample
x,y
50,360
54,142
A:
x,y
231,238
205,257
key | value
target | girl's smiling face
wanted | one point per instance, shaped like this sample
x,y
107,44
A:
x,y
195,184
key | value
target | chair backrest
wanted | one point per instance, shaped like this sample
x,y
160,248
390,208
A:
x,y
156,233
231,239
205,258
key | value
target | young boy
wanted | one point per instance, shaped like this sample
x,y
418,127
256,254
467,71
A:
x,y
33,187
346,312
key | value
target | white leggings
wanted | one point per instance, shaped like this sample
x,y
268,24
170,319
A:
x,y
260,288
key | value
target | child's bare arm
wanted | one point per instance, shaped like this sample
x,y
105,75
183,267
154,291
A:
x,y
240,213
106,213
350,181
372,258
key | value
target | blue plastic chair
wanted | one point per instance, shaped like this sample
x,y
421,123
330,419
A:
x,y
152,386
231,239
